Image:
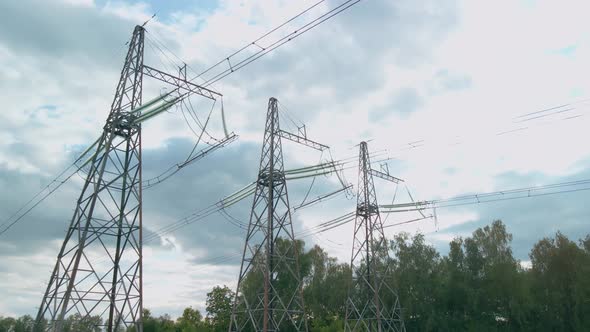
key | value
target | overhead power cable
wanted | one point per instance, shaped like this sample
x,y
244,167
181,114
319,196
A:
x,y
192,158
265,49
408,221
240,195
25,209
230,64
343,220
259,38
495,196
520,121
39,197
519,193
7,224
330,224
549,111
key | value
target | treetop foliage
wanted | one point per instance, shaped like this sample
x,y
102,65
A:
x,y
477,286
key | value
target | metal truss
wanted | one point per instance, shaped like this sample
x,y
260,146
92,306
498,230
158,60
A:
x,y
385,176
98,273
302,140
180,83
269,292
372,304
106,222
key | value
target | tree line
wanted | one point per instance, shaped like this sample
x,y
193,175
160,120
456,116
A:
x,y
478,286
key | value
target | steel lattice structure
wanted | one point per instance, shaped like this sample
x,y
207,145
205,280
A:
x,y
372,304
98,273
269,292
107,220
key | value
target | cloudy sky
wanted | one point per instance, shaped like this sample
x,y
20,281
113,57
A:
x,y
440,87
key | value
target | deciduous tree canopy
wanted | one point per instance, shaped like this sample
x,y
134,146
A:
x,y
477,286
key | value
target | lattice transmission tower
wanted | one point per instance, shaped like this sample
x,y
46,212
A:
x,y
99,266
372,304
269,292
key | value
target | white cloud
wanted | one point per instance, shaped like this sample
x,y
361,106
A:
x,y
85,3
394,73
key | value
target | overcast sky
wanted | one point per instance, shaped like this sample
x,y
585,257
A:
x,y
450,74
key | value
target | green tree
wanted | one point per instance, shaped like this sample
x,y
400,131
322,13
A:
x,y
24,324
453,289
77,323
325,288
166,324
149,322
219,307
477,286
416,269
7,324
494,287
560,282
285,283
190,321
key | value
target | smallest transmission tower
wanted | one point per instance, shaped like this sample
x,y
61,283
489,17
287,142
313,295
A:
x,y
372,304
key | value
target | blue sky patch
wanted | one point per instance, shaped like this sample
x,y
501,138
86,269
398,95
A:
x,y
566,51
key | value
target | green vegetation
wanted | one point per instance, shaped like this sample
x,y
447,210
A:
x,y
478,286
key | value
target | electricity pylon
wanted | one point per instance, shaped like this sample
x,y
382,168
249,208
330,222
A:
x,y
106,221
372,304
98,272
269,292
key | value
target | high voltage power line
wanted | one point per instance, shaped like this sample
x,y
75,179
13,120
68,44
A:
x,y
462,200
27,207
113,189
305,172
473,199
520,120
124,128
273,43
57,182
488,197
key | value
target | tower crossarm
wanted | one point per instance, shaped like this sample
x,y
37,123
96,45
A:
x,y
385,176
180,83
302,140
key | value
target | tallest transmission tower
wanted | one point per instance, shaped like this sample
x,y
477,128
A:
x,y
106,221
372,304
98,273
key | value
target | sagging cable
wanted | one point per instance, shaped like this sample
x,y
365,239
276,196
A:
x,y
321,198
153,101
223,118
151,113
308,175
227,203
309,168
177,167
237,196
408,221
